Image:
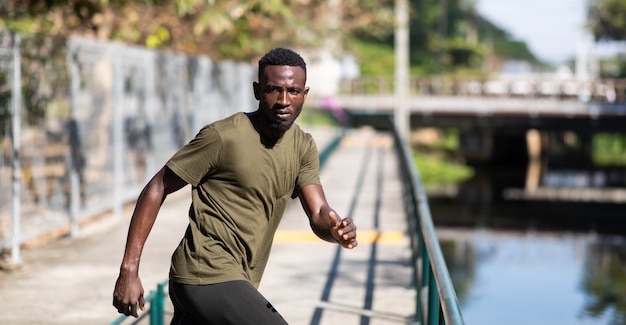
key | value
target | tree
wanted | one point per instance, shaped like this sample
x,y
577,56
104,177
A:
x,y
607,19
217,28
445,35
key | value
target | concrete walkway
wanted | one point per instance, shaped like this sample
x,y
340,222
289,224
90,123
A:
x,y
70,281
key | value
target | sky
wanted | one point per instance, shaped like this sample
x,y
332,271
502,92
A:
x,y
552,29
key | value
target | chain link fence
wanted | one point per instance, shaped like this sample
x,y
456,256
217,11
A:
x,y
95,121
10,136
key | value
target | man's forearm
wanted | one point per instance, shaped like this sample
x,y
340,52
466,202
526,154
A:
x,y
143,219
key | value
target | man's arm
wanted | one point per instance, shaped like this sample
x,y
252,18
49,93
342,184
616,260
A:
x,y
128,292
324,221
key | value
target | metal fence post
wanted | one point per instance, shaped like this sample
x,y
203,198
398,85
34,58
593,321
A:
x,y
74,182
16,120
118,130
433,300
149,88
157,306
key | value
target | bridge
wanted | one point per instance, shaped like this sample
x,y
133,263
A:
x,y
516,97
494,115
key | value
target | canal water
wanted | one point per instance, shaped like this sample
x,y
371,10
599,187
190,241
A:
x,y
547,250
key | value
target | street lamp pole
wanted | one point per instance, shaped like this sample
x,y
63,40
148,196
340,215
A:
x,y
401,116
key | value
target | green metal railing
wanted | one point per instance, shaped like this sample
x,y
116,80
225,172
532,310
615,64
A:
x,y
156,309
330,147
436,302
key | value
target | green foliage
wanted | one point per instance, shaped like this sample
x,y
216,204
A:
x,y
609,149
159,37
513,50
461,54
613,67
448,39
318,117
436,164
375,58
604,282
435,170
451,40
371,20
607,19
184,7
449,142
221,29
44,81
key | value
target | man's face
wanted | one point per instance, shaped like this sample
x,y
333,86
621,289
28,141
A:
x,y
281,94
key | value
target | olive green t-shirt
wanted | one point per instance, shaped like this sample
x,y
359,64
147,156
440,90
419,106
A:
x,y
240,188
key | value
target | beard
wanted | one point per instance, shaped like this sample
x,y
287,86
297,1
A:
x,y
283,127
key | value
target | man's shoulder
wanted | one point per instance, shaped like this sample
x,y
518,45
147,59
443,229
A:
x,y
301,133
235,118
226,123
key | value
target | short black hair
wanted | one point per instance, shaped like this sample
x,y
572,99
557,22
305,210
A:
x,y
281,56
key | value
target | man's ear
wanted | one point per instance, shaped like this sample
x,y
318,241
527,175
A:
x,y
257,91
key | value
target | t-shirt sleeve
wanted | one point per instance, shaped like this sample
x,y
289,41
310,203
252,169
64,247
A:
x,y
309,166
196,159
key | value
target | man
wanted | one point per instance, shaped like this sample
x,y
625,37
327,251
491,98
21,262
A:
x,y
243,170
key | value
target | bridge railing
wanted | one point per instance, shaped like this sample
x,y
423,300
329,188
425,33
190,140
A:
x,y
608,90
436,301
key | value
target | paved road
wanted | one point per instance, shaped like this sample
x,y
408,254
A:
x,y
70,281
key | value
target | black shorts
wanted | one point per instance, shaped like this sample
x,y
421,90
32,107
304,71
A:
x,y
233,302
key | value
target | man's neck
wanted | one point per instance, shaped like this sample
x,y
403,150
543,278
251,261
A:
x,y
263,127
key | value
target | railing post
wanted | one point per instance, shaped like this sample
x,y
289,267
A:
x,y
156,306
433,300
424,278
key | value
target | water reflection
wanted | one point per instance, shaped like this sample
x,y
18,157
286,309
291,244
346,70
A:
x,y
532,278
536,259
604,280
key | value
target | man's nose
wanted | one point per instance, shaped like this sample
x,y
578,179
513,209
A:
x,y
283,98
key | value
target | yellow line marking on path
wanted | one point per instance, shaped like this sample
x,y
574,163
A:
x,y
363,237
353,141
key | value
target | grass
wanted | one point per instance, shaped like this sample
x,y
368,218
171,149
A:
x,y
318,117
436,170
437,163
